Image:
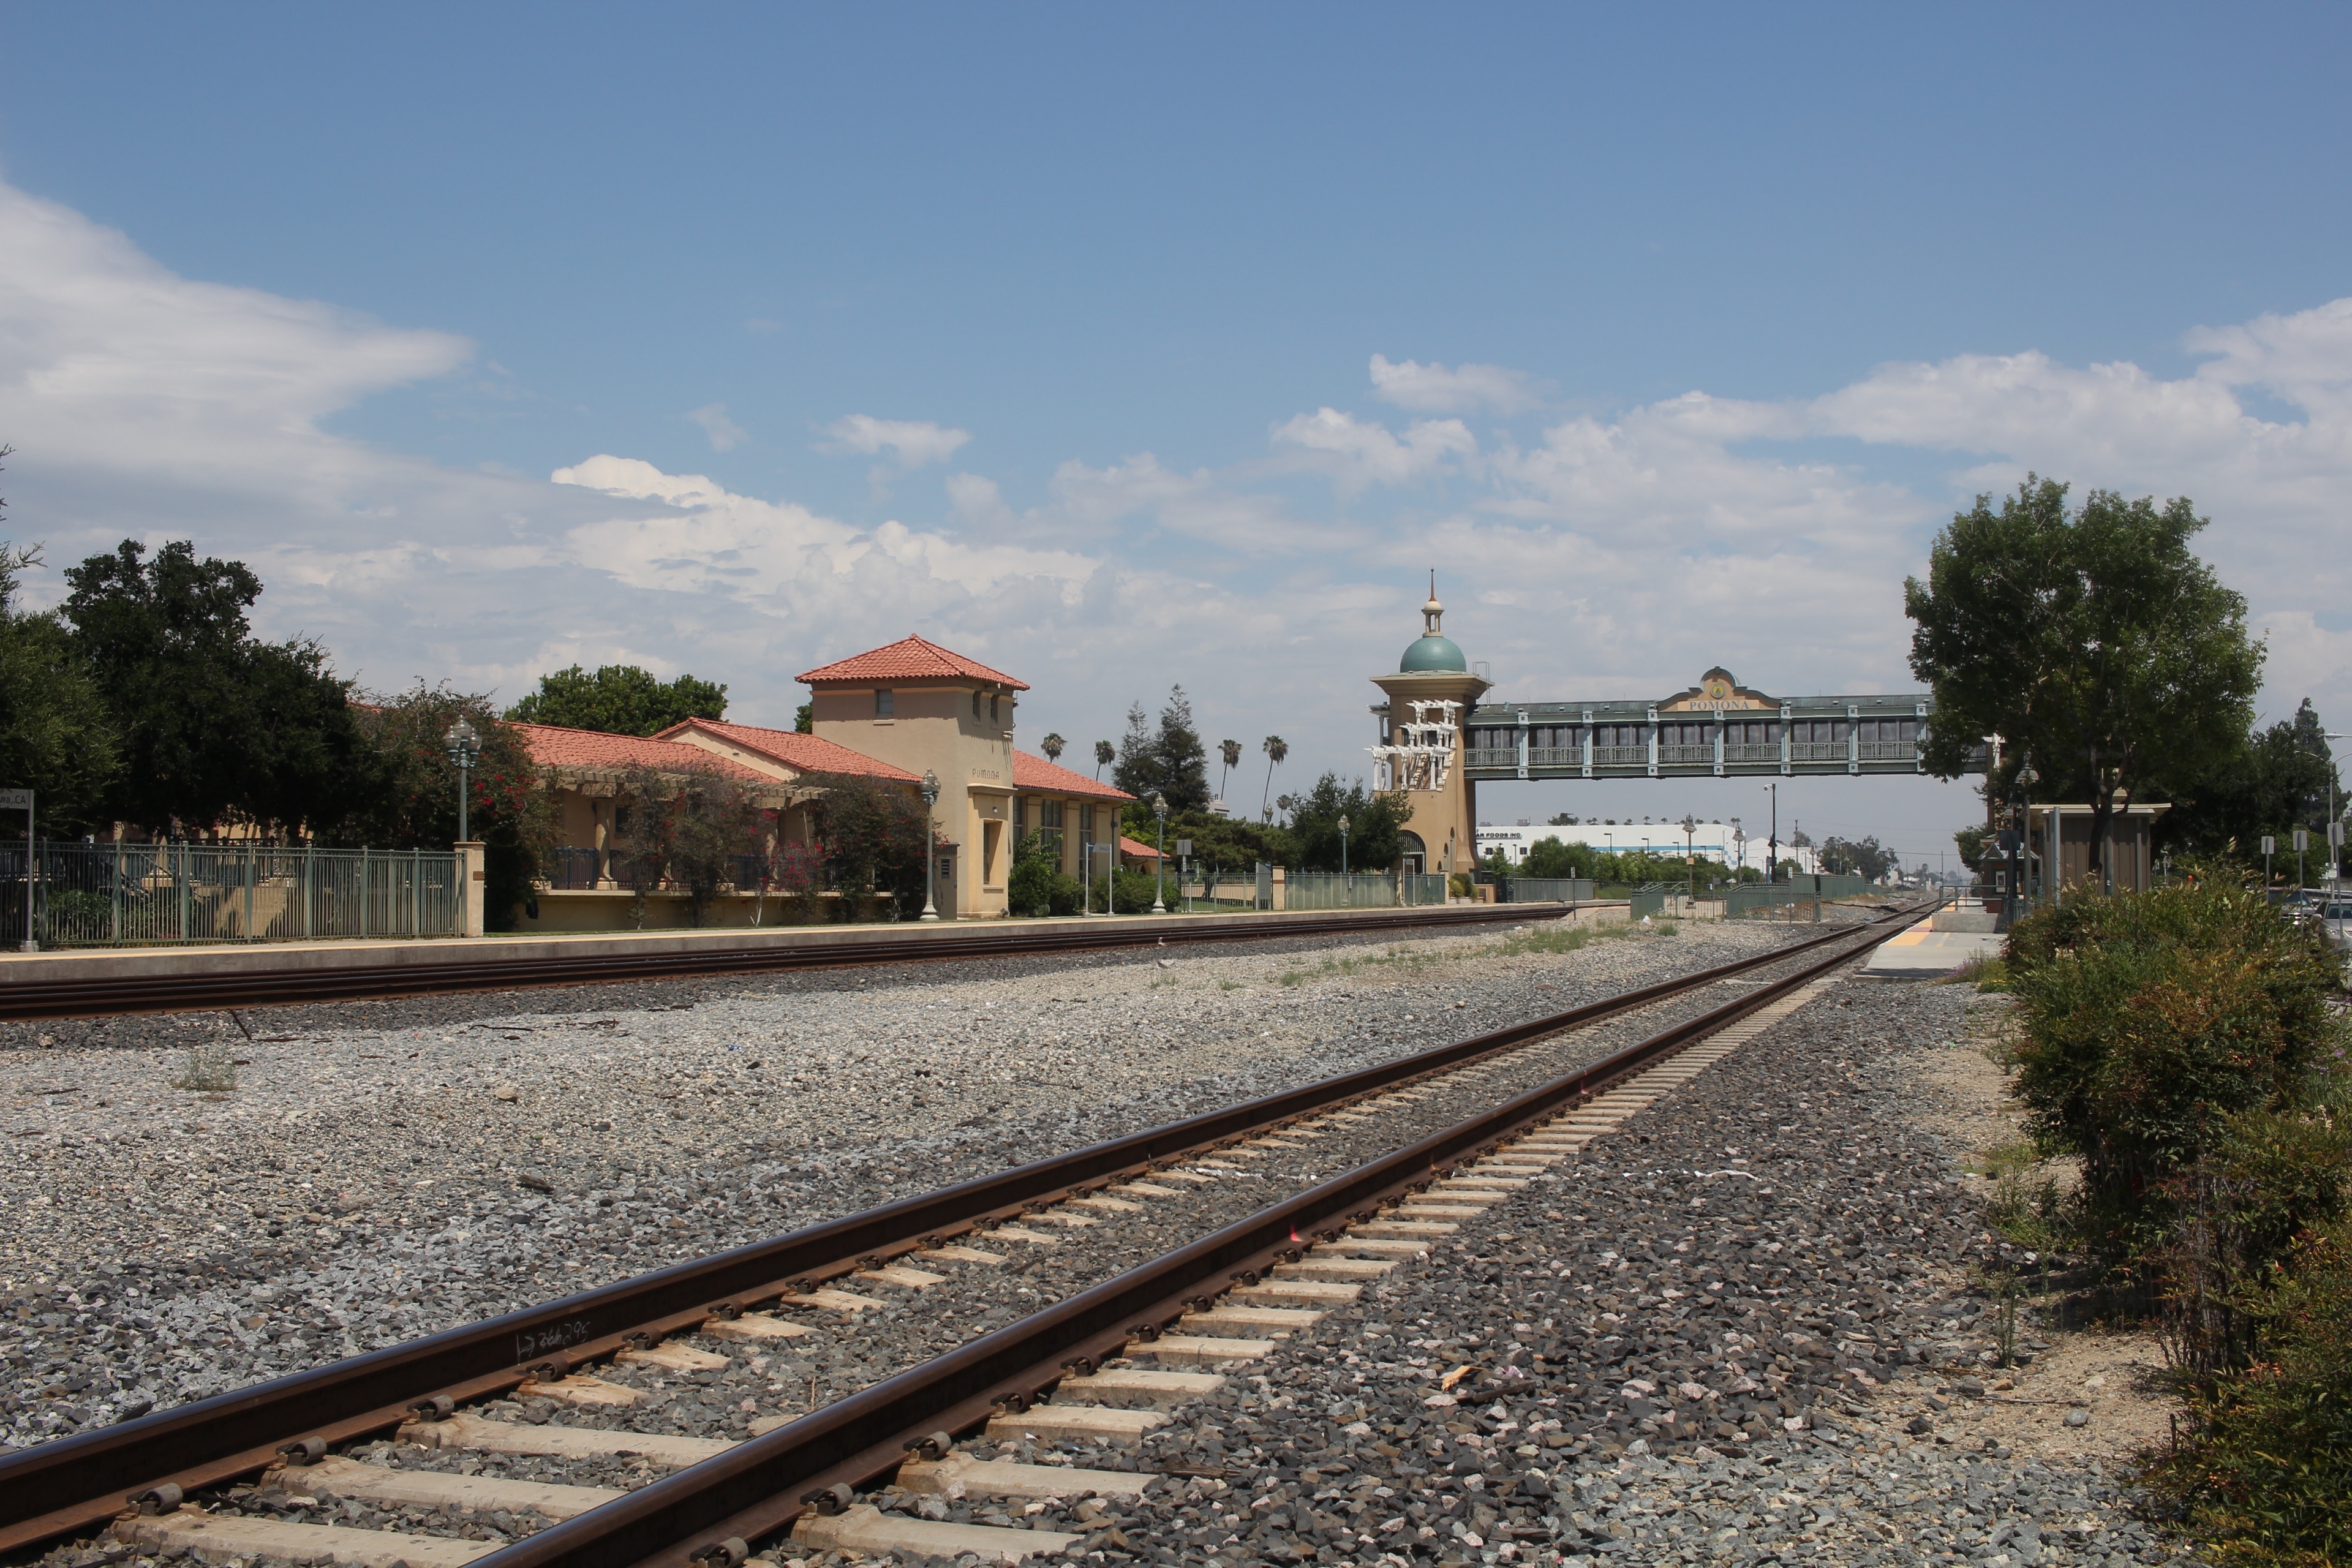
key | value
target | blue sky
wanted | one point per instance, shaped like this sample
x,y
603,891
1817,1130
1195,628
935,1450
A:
x,y
1123,347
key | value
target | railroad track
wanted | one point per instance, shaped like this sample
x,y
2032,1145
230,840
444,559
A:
x,y
25,1000
1277,1268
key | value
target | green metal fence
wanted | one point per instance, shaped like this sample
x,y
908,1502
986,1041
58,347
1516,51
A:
x,y
1359,891
140,894
1748,897
1544,890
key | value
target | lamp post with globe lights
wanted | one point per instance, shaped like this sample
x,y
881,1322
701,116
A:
x,y
464,745
1159,866
930,852
1343,844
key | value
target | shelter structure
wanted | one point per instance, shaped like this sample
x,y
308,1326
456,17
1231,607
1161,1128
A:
x,y
2058,849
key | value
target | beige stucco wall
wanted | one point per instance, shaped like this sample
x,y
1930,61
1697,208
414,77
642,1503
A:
x,y
932,728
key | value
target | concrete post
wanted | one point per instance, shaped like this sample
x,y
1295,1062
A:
x,y
469,887
1281,891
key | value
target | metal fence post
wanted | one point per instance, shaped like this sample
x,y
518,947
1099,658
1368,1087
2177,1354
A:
x,y
252,873
114,921
416,891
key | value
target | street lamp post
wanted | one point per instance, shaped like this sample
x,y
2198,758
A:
x,y
1772,845
2335,826
1159,866
2013,842
1343,844
1739,848
1690,859
930,850
465,744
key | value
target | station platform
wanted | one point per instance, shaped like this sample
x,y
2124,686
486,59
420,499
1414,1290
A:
x,y
1924,952
85,981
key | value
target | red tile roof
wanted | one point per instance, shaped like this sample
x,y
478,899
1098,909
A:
x,y
554,747
1052,778
910,659
801,753
1129,849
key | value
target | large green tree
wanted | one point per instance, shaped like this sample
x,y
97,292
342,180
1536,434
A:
x,y
56,736
2282,778
1375,822
213,724
1169,760
2093,641
1864,857
619,700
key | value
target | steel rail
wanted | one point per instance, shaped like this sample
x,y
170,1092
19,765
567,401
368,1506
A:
x,y
57,1488
753,1490
32,999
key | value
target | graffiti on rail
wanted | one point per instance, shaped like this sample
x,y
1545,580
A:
x,y
532,1344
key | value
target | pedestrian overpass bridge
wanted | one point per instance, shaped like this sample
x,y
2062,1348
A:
x,y
1718,729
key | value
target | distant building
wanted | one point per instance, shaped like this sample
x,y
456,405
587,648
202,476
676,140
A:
x,y
1712,840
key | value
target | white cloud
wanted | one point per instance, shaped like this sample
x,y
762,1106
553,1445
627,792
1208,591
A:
x,y
1434,388
724,433
779,554
1358,452
911,443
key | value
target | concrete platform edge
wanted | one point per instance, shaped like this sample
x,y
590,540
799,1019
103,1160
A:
x,y
391,956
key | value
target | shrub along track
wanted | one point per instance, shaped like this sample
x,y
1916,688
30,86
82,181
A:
x,y
70,1485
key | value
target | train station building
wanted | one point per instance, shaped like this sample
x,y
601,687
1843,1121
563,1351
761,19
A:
x,y
894,715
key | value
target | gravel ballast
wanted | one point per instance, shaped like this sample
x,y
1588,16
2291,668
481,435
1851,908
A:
x,y
1738,1330
383,1171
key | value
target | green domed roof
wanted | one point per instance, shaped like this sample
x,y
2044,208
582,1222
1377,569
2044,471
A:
x,y
1432,653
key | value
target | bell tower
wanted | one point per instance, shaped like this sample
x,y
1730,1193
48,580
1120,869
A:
x,y
1422,735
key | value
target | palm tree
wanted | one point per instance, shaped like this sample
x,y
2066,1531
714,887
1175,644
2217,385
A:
x,y
1232,752
1052,746
1105,754
1276,748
